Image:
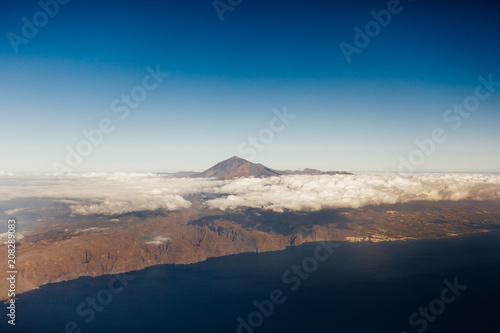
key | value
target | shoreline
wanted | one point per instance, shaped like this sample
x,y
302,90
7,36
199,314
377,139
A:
x,y
346,241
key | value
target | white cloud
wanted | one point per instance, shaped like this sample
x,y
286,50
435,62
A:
x,y
89,229
106,193
13,211
159,240
352,191
119,193
4,237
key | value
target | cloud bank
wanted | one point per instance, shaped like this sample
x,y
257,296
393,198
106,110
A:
x,y
120,193
312,193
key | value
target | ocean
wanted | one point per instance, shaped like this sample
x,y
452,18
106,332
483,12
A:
x,y
446,285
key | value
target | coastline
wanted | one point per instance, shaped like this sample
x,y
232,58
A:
x,y
375,239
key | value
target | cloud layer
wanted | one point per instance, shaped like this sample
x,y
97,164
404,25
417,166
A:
x,y
344,191
119,193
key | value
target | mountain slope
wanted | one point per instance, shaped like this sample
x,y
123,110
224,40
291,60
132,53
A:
x,y
236,167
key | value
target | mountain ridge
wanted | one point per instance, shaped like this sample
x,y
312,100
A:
x,y
236,167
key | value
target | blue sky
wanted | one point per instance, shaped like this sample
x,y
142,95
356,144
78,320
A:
x,y
226,78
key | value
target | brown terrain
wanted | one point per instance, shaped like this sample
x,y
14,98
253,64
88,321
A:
x,y
65,247
63,250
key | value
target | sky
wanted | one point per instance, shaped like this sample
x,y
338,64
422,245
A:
x,y
270,82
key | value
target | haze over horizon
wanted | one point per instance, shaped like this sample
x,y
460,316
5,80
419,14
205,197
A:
x,y
226,78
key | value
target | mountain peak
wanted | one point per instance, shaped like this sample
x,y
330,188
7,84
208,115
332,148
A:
x,y
231,168
235,167
236,158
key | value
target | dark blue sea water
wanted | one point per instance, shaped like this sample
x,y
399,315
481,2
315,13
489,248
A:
x,y
361,287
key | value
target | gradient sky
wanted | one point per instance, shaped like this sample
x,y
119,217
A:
x,y
226,77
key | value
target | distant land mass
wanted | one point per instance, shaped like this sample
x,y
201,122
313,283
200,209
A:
x,y
97,245
236,167
65,246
